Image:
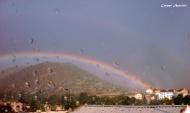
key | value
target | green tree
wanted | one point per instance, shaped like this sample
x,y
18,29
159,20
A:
x,y
33,105
186,100
178,100
53,100
166,101
83,98
124,100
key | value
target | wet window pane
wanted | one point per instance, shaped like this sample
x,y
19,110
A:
x,y
62,55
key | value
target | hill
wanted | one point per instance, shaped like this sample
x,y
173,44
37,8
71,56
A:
x,y
55,78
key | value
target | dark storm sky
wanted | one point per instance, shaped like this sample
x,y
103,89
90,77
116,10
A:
x,y
144,38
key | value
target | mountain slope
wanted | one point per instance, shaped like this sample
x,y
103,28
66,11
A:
x,y
56,78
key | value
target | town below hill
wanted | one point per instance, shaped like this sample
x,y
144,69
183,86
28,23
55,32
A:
x,y
70,102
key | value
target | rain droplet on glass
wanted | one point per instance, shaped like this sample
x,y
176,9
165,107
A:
x,y
35,97
37,82
35,73
14,59
19,95
51,84
81,50
31,41
57,11
50,70
37,59
27,84
6,110
163,68
116,63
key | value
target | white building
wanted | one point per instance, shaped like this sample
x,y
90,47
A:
x,y
149,91
165,94
138,96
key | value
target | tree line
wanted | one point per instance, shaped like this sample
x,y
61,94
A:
x,y
70,101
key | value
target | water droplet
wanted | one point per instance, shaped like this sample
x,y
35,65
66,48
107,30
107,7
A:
x,y
14,58
31,41
57,10
163,68
81,50
19,95
35,97
77,103
51,84
35,73
50,71
27,84
65,98
6,110
37,59
37,82
116,63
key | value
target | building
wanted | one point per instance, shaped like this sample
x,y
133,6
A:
x,y
4,107
149,98
11,106
149,91
128,109
138,96
156,91
59,108
163,94
184,92
47,107
17,106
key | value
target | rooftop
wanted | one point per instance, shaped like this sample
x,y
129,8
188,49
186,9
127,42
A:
x,y
129,109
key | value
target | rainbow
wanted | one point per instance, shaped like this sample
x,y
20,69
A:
x,y
82,59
